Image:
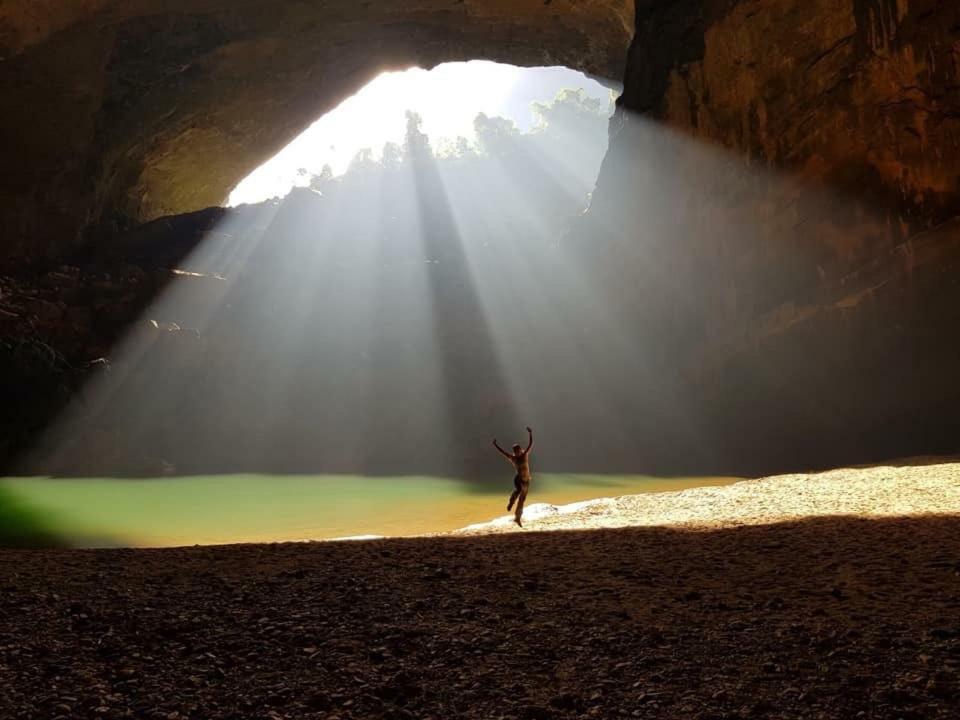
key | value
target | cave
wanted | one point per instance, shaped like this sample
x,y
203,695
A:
x,y
820,332
252,453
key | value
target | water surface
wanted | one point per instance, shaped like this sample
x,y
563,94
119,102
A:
x,y
161,512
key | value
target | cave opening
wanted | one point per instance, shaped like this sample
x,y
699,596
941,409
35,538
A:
x,y
464,109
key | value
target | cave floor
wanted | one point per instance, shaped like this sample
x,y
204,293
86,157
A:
x,y
830,617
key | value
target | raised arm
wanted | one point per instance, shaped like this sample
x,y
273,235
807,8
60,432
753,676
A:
x,y
529,444
503,452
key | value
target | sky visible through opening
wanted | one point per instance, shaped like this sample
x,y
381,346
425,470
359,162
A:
x,y
448,98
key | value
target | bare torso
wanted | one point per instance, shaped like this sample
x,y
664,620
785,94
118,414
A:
x,y
522,464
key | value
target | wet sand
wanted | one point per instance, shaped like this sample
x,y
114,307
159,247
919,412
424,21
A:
x,y
716,616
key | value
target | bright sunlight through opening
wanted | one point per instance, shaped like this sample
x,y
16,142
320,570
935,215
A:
x,y
448,98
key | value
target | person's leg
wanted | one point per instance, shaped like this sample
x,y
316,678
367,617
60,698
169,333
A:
x,y
520,501
516,492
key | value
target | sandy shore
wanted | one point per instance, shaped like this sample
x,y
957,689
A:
x,y
928,486
828,596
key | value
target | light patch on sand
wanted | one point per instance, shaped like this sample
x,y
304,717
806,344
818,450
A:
x,y
882,491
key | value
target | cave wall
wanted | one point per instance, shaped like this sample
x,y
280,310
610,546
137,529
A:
x,y
790,168
858,97
115,112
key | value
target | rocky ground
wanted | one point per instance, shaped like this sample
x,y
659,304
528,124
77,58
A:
x,y
836,616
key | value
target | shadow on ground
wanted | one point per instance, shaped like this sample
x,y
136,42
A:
x,y
826,618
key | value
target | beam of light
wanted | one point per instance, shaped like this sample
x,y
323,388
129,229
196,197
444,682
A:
x,y
479,363
728,258
522,295
141,375
546,316
402,342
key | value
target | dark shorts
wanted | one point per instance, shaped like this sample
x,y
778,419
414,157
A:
x,y
520,484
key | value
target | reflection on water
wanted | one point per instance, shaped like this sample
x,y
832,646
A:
x,y
259,508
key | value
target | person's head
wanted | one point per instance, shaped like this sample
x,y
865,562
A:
x,y
517,450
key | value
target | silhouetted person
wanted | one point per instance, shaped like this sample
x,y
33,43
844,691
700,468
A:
x,y
521,481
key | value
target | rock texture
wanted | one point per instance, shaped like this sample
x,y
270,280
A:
x,y
861,97
781,181
116,112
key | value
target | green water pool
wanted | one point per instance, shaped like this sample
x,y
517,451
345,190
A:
x,y
91,512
